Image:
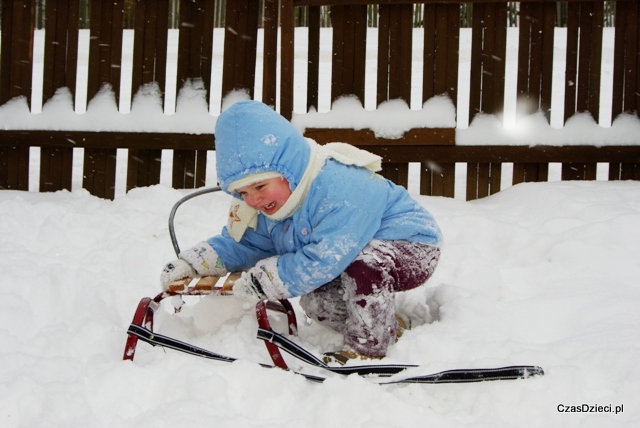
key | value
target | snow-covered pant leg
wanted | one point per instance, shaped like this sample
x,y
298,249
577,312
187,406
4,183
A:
x,y
364,297
326,305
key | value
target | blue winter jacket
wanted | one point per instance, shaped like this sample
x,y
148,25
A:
x,y
345,208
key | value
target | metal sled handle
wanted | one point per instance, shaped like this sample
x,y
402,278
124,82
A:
x,y
172,231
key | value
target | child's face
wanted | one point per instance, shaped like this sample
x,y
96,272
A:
x,y
267,196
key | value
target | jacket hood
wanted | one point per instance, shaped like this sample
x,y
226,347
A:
x,y
252,138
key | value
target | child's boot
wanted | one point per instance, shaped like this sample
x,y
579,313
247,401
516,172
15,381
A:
x,y
342,357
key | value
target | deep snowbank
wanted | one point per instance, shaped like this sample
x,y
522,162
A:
x,y
541,274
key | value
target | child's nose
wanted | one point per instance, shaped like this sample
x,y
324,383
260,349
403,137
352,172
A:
x,y
253,200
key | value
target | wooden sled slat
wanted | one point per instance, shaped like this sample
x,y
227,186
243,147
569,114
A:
x,y
205,284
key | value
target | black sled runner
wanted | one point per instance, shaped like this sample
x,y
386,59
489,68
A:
x,y
141,328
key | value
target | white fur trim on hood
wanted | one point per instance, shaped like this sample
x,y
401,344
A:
x,y
251,179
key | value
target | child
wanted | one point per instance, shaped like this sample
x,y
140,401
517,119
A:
x,y
317,222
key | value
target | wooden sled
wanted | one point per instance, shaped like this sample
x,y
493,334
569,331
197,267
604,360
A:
x,y
209,285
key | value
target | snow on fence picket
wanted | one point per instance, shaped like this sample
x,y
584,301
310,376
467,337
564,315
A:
x,y
410,94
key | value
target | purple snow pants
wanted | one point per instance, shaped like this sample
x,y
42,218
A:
x,y
360,303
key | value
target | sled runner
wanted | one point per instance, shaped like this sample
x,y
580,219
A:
x,y
141,328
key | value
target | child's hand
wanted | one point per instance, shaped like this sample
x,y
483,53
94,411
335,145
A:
x,y
248,288
261,282
204,260
199,260
174,271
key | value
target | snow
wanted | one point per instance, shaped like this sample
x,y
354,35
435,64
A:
x,y
540,273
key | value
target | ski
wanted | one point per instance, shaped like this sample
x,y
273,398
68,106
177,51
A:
x,y
385,373
389,370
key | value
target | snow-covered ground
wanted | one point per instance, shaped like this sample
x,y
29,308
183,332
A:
x,y
541,273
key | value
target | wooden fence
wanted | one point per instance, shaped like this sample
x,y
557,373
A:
x,y
433,148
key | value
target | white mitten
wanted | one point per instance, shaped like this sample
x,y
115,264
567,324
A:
x,y
199,260
248,288
261,282
204,260
174,271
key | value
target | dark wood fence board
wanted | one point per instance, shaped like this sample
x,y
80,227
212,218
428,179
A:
x,y
143,168
105,59
14,168
99,172
196,42
546,74
617,95
149,58
189,169
313,60
55,169
194,62
626,73
483,179
595,27
349,51
59,70
184,42
571,67
140,68
240,46
337,51
488,54
529,50
535,57
270,51
634,53
524,172
382,78
5,51
624,171
586,18
206,46
495,178
287,58
584,50
105,47
431,48
395,40
17,50
582,84
26,48
116,29
475,78
578,171
437,179
96,51
396,172
194,49
114,21
472,180
360,52
150,44
452,54
61,47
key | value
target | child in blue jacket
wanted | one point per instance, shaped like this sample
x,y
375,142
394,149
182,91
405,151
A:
x,y
317,222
